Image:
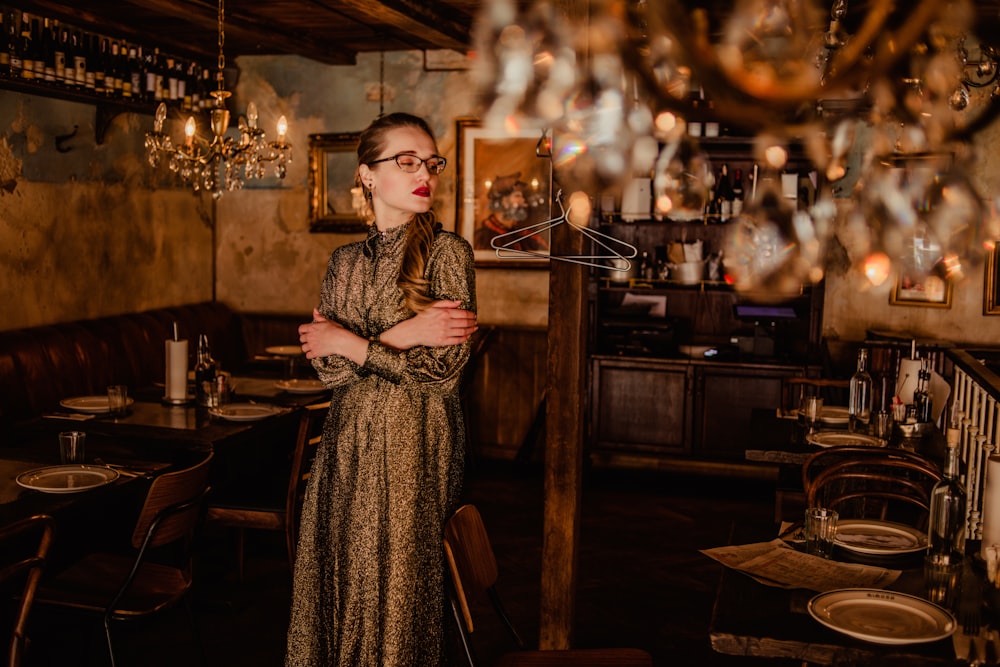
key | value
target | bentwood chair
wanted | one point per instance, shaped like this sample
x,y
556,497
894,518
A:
x,y
24,547
886,488
473,568
155,574
278,506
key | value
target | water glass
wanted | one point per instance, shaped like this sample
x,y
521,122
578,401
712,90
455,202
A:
x,y
882,422
71,447
218,394
820,531
117,400
811,409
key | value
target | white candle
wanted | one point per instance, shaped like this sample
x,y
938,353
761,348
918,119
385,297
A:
x,y
176,376
991,505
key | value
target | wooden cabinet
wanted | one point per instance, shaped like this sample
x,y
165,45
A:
x,y
679,413
641,406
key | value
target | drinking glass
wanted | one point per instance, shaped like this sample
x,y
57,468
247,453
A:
x,y
117,400
811,409
820,531
71,446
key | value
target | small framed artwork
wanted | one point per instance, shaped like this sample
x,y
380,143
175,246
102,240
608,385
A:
x,y
932,291
333,197
991,284
504,186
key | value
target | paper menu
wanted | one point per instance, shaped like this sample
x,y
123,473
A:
x,y
776,564
176,371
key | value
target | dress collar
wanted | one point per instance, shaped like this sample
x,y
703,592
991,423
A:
x,y
384,239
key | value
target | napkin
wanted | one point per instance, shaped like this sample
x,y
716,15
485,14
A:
x,y
176,376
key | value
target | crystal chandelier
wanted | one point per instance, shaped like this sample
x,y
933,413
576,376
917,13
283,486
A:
x,y
200,162
881,102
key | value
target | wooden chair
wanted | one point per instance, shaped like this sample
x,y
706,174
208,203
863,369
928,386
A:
x,y
24,547
886,488
473,569
277,508
156,574
823,459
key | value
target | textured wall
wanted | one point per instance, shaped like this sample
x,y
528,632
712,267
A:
x,y
83,232
850,310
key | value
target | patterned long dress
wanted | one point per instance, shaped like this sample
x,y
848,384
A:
x,y
369,574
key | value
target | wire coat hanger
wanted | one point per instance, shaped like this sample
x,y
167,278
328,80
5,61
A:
x,y
503,243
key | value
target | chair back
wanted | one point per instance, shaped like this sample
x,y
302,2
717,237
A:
x,y
470,557
307,441
883,488
825,458
155,526
24,546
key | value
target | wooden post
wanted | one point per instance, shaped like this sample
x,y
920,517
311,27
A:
x,y
566,395
565,403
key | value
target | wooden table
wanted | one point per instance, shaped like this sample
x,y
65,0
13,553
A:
x,y
751,619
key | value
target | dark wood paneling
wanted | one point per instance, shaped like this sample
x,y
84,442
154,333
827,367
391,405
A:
x,y
507,386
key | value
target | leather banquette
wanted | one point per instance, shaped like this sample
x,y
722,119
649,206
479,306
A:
x,y
39,366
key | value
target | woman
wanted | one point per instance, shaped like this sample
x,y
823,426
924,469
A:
x,y
390,337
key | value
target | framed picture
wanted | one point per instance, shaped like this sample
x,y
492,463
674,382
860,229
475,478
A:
x,y
931,291
333,199
991,284
503,186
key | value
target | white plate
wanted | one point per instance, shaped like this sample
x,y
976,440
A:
x,y
840,438
879,538
834,415
300,386
882,617
66,479
89,404
244,412
284,350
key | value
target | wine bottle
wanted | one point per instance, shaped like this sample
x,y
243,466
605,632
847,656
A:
x,y
47,52
204,371
26,54
62,46
5,43
150,87
79,60
922,402
946,522
113,75
135,88
859,406
724,191
738,192
99,68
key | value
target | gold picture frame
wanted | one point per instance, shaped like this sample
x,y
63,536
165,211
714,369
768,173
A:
x,y
333,163
991,283
483,155
931,291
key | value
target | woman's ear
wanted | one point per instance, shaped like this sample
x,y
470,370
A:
x,y
365,175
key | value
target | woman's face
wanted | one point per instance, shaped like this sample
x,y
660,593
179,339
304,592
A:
x,y
397,195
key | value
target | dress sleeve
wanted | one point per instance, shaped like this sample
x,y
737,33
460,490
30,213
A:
x,y
451,273
335,371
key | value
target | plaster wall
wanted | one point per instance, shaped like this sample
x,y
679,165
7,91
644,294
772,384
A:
x,y
852,306
84,232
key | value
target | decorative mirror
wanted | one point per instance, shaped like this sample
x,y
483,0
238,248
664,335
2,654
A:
x,y
333,163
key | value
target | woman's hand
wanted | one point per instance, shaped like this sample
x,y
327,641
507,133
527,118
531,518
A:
x,y
443,323
323,337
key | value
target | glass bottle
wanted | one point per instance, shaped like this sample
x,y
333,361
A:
x,y
859,406
204,372
946,522
922,403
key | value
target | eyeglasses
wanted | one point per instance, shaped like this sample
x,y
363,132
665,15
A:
x,y
411,163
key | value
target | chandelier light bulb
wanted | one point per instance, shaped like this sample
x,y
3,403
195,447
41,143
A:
x,y
252,115
282,129
189,129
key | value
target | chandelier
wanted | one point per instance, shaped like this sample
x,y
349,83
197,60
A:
x,y
880,103
221,163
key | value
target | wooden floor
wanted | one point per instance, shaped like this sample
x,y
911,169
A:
x,y
642,581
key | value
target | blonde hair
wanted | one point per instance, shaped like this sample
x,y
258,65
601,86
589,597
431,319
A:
x,y
420,235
